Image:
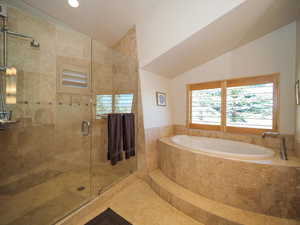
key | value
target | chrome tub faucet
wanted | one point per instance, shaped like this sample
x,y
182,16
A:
x,y
283,149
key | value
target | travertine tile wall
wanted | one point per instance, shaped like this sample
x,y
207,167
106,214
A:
x,y
112,72
49,122
151,147
49,130
147,138
102,76
128,46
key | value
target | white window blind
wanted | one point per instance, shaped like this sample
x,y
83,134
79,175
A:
x,y
123,103
103,105
250,106
74,79
206,106
119,103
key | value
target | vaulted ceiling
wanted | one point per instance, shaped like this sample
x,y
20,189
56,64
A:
x,y
104,20
247,22
109,20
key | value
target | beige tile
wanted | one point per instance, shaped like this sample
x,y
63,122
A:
x,y
138,204
49,132
263,188
206,210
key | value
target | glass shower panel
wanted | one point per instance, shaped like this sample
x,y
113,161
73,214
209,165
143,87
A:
x,y
45,158
113,74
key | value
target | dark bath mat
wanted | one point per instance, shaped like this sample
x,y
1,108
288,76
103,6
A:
x,y
108,217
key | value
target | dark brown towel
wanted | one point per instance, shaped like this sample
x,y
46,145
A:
x,y
115,138
128,135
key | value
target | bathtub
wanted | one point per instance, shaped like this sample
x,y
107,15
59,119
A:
x,y
224,171
224,148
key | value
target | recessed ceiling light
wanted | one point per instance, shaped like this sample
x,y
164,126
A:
x,y
73,3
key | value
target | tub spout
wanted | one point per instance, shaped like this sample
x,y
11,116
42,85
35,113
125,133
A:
x,y
283,149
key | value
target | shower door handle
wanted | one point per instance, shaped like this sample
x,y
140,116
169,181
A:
x,y
85,127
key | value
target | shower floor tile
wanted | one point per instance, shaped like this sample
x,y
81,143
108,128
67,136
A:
x,y
28,182
47,195
51,210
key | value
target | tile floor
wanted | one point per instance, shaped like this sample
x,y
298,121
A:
x,y
140,205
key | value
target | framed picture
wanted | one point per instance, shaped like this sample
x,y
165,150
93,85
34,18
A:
x,y
161,99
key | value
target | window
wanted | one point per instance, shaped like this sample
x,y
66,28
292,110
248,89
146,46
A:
x,y
123,103
241,105
250,106
103,105
115,103
206,104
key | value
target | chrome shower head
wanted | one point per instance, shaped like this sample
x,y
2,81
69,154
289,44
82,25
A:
x,y
34,43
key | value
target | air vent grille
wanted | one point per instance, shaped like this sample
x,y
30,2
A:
x,y
74,79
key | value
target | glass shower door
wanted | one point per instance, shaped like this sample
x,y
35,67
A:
x,y
115,83
45,158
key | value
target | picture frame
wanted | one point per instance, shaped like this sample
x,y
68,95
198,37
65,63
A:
x,y
161,99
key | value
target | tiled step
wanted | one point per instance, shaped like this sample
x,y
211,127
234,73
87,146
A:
x,y
208,211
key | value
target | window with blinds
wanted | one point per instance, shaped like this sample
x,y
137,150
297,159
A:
x,y
238,105
104,105
206,106
250,106
123,103
116,103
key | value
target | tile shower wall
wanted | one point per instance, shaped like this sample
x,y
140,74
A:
x,y
113,72
128,46
147,138
45,151
46,117
44,158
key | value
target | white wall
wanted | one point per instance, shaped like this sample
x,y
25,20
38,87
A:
x,y
155,116
172,21
275,52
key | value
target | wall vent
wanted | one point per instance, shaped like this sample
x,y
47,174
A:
x,y
73,75
74,79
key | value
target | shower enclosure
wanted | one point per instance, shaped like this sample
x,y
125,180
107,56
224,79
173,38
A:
x,y
53,153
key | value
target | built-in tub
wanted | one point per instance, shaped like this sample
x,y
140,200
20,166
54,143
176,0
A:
x,y
224,148
242,175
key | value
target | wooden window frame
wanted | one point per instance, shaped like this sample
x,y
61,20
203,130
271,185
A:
x,y
224,84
